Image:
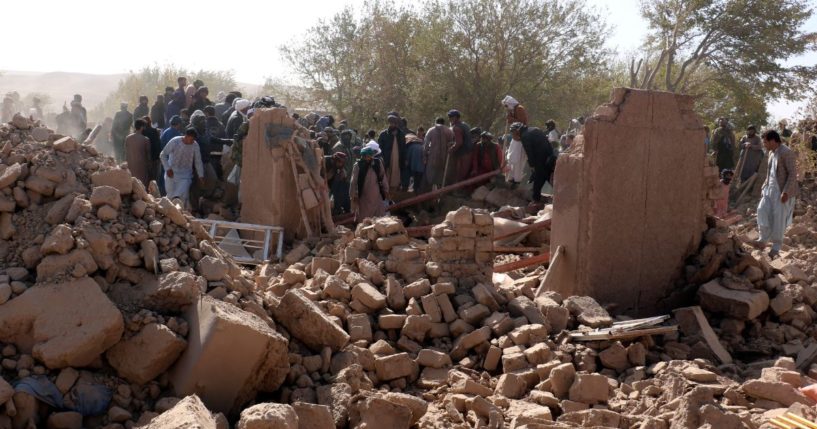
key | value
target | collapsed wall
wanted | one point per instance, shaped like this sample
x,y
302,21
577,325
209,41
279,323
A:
x,y
280,176
629,200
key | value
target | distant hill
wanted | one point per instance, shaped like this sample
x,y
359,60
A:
x,y
61,86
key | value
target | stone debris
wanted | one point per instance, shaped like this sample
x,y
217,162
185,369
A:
x,y
103,284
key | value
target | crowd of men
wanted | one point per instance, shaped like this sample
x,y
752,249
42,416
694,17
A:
x,y
184,141
184,136
363,173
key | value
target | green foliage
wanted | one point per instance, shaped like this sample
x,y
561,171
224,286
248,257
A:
x,y
744,41
447,54
151,81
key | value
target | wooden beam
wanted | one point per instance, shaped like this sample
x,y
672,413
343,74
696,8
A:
x,y
408,202
523,263
512,249
623,335
551,273
544,224
419,231
708,334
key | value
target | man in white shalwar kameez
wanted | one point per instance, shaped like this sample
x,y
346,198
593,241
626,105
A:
x,y
774,212
517,160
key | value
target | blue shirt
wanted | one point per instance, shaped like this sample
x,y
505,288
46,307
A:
x,y
168,134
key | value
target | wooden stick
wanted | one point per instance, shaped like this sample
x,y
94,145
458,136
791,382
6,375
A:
x,y
801,420
552,267
523,263
750,184
532,227
419,231
408,202
511,249
739,169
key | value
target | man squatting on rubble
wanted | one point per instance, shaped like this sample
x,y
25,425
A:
x,y
179,158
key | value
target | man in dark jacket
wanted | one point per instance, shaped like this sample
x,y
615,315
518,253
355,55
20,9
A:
x,y
157,112
155,148
391,139
142,109
120,129
541,157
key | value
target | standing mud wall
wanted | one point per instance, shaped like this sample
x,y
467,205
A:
x,y
629,200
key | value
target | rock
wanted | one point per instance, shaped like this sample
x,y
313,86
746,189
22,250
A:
x,y
41,317
146,355
40,134
65,420
313,415
59,209
777,391
523,306
119,415
209,367
106,195
293,276
309,323
561,378
107,213
590,389
60,240
781,303
79,207
212,269
693,373
117,178
138,208
373,412
171,292
167,208
337,397
9,174
65,144
6,391
433,359
588,312
592,418
190,412
739,304
418,406
20,122
511,386
369,296
268,415
615,357
394,366
66,379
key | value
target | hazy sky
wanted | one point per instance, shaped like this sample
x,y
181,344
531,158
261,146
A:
x,y
113,36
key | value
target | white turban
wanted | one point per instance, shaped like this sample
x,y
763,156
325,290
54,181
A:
x,y
510,101
241,104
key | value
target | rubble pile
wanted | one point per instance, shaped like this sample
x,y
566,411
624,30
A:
x,y
98,285
116,311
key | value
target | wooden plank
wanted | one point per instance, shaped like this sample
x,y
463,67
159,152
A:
x,y
545,224
601,336
408,202
523,263
806,357
709,336
551,274
801,420
512,249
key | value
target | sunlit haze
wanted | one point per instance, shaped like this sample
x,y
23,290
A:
x,y
112,37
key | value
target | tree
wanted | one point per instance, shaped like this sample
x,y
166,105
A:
x,y
151,81
736,43
447,54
